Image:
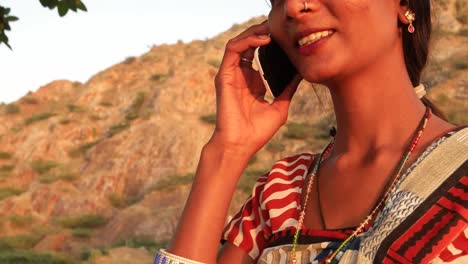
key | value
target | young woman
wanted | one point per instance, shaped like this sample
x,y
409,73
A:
x,y
391,187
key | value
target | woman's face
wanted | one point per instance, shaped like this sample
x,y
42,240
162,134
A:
x,y
335,39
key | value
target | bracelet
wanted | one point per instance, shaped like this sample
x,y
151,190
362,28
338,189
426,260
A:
x,y
164,257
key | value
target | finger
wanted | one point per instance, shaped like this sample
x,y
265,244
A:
x,y
260,30
234,49
283,101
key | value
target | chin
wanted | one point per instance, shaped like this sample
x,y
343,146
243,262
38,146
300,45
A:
x,y
320,76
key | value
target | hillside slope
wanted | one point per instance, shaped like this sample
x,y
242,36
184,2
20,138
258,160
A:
x,y
108,163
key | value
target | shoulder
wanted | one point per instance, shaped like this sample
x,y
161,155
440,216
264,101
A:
x,y
283,183
285,171
289,165
288,172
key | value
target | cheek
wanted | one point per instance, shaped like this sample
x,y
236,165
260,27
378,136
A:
x,y
356,5
274,23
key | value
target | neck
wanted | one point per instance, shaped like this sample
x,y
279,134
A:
x,y
376,109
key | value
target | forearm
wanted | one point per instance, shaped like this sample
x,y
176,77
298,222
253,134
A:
x,y
200,227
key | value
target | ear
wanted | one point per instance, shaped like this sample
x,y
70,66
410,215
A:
x,y
402,9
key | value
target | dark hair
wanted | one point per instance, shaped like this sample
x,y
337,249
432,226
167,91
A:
x,y
416,45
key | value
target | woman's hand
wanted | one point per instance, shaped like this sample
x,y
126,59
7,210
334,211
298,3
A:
x,y
245,121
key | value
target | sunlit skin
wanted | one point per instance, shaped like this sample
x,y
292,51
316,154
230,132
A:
x,y
377,112
364,32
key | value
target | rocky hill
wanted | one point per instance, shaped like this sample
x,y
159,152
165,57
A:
x,y
99,172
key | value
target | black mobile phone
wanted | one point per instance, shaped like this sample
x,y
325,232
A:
x,y
274,67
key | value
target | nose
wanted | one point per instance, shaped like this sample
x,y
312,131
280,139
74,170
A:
x,y
294,9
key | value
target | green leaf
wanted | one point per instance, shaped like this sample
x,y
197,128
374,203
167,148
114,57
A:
x,y
62,8
49,3
81,6
11,18
71,4
44,3
4,39
8,45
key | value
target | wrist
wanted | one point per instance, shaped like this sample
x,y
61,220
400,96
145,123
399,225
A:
x,y
224,151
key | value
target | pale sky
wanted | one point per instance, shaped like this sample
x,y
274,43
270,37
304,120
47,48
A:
x,y
79,45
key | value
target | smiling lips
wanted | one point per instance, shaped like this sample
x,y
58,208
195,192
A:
x,y
314,37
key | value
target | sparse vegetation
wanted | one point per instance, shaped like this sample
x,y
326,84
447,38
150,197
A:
x,y
461,7
133,111
95,117
72,108
248,179
305,131
236,27
17,128
105,103
85,254
442,99
5,155
65,121
81,233
83,149
463,32
43,166
11,109
18,242
457,116
129,60
159,77
137,242
298,130
215,62
454,110
33,257
323,127
173,181
253,160
116,129
7,168
275,146
117,200
7,192
21,220
29,100
460,64
37,118
121,201
53,177
209,118
84,221
4,175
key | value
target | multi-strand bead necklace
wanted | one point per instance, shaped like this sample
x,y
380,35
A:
x,y
399,169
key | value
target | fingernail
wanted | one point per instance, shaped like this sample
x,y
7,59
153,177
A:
x,y
263,36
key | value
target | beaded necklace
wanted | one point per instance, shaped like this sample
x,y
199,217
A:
x,y
401,164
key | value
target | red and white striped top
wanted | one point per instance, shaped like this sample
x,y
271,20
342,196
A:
x,y
273,206
269,217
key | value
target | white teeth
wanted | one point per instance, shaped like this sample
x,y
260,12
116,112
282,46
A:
x,y
314,37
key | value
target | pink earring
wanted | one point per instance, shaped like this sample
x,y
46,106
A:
x,y
411,17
